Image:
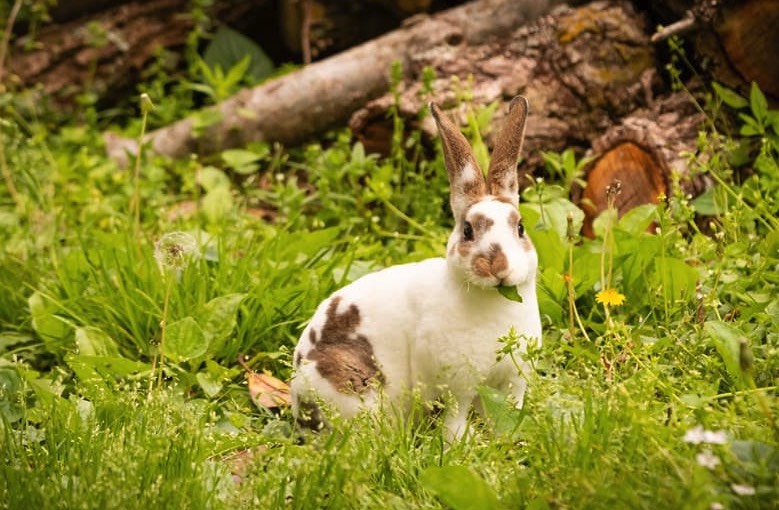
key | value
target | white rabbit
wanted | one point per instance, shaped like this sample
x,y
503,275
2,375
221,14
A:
x,y
433,326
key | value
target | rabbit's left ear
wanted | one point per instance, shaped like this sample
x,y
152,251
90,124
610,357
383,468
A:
x,y
502,174
466,182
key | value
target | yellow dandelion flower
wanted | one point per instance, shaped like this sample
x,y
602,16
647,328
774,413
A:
x,y
610,297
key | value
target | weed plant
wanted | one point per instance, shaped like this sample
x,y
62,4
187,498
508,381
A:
x,y
128,294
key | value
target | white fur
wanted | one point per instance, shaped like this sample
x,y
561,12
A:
x,y
434,325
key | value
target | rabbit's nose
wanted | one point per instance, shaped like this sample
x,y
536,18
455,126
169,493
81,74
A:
x,y
499,265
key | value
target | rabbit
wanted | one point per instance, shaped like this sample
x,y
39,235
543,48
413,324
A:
x,y
432,327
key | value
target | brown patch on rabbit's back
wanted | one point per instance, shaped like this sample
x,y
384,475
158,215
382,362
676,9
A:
x,y
343,356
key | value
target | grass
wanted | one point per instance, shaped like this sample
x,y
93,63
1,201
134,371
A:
x,y
121,328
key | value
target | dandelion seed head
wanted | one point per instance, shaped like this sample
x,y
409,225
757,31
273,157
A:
x,y
175,250
614,189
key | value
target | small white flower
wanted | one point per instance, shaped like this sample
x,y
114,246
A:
x,y
716,506
700,435
742,490
707,459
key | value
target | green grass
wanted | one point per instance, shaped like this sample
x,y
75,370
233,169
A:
x,y
119,377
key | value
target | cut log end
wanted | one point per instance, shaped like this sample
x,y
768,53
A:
x,y
641,178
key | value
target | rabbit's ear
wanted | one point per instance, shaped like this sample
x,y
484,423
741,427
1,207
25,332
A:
x,y
502,174
466,180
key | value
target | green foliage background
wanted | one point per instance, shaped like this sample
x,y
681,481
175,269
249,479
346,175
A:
x,y
120,334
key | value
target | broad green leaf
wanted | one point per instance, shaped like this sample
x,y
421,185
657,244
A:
x,y
510,292
241,161
551,294
504,417
729,97
212,178
708,203
459,488
218,318
184,340
637,220
551,249
10,386
309,243
553,214
757,102
229,47
678,278
217,204
209,383
110,366
45,322
603,220
727,341
92,341
212,379
756,453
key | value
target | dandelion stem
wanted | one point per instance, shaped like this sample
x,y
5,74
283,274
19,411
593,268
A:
x,y
164,324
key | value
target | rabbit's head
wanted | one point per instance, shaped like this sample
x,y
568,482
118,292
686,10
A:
x,y
489,246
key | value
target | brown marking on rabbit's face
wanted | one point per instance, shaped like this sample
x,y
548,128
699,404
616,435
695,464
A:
x,y
492,263
490,245
343,356
298,358
505,200
474,227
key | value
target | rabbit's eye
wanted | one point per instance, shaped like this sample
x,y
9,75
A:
x,y
521,228
468,231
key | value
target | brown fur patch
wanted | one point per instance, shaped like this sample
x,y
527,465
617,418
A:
x,y
298,359
492,263
481,267
505,200
481,223
499,263
472,189
342,356
312,336
513,219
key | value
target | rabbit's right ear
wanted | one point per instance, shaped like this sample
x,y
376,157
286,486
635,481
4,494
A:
x,y
502,174
466,181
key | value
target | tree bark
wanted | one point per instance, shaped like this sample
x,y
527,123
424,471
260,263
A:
x,y
297,106
734,42
105,53
582,69
640,156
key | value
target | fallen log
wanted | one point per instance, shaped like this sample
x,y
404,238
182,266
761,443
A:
x,y
104,53
641,154
297,106
582,69
734,41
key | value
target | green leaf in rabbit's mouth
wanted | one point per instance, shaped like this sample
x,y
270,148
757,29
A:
x,y
510,292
